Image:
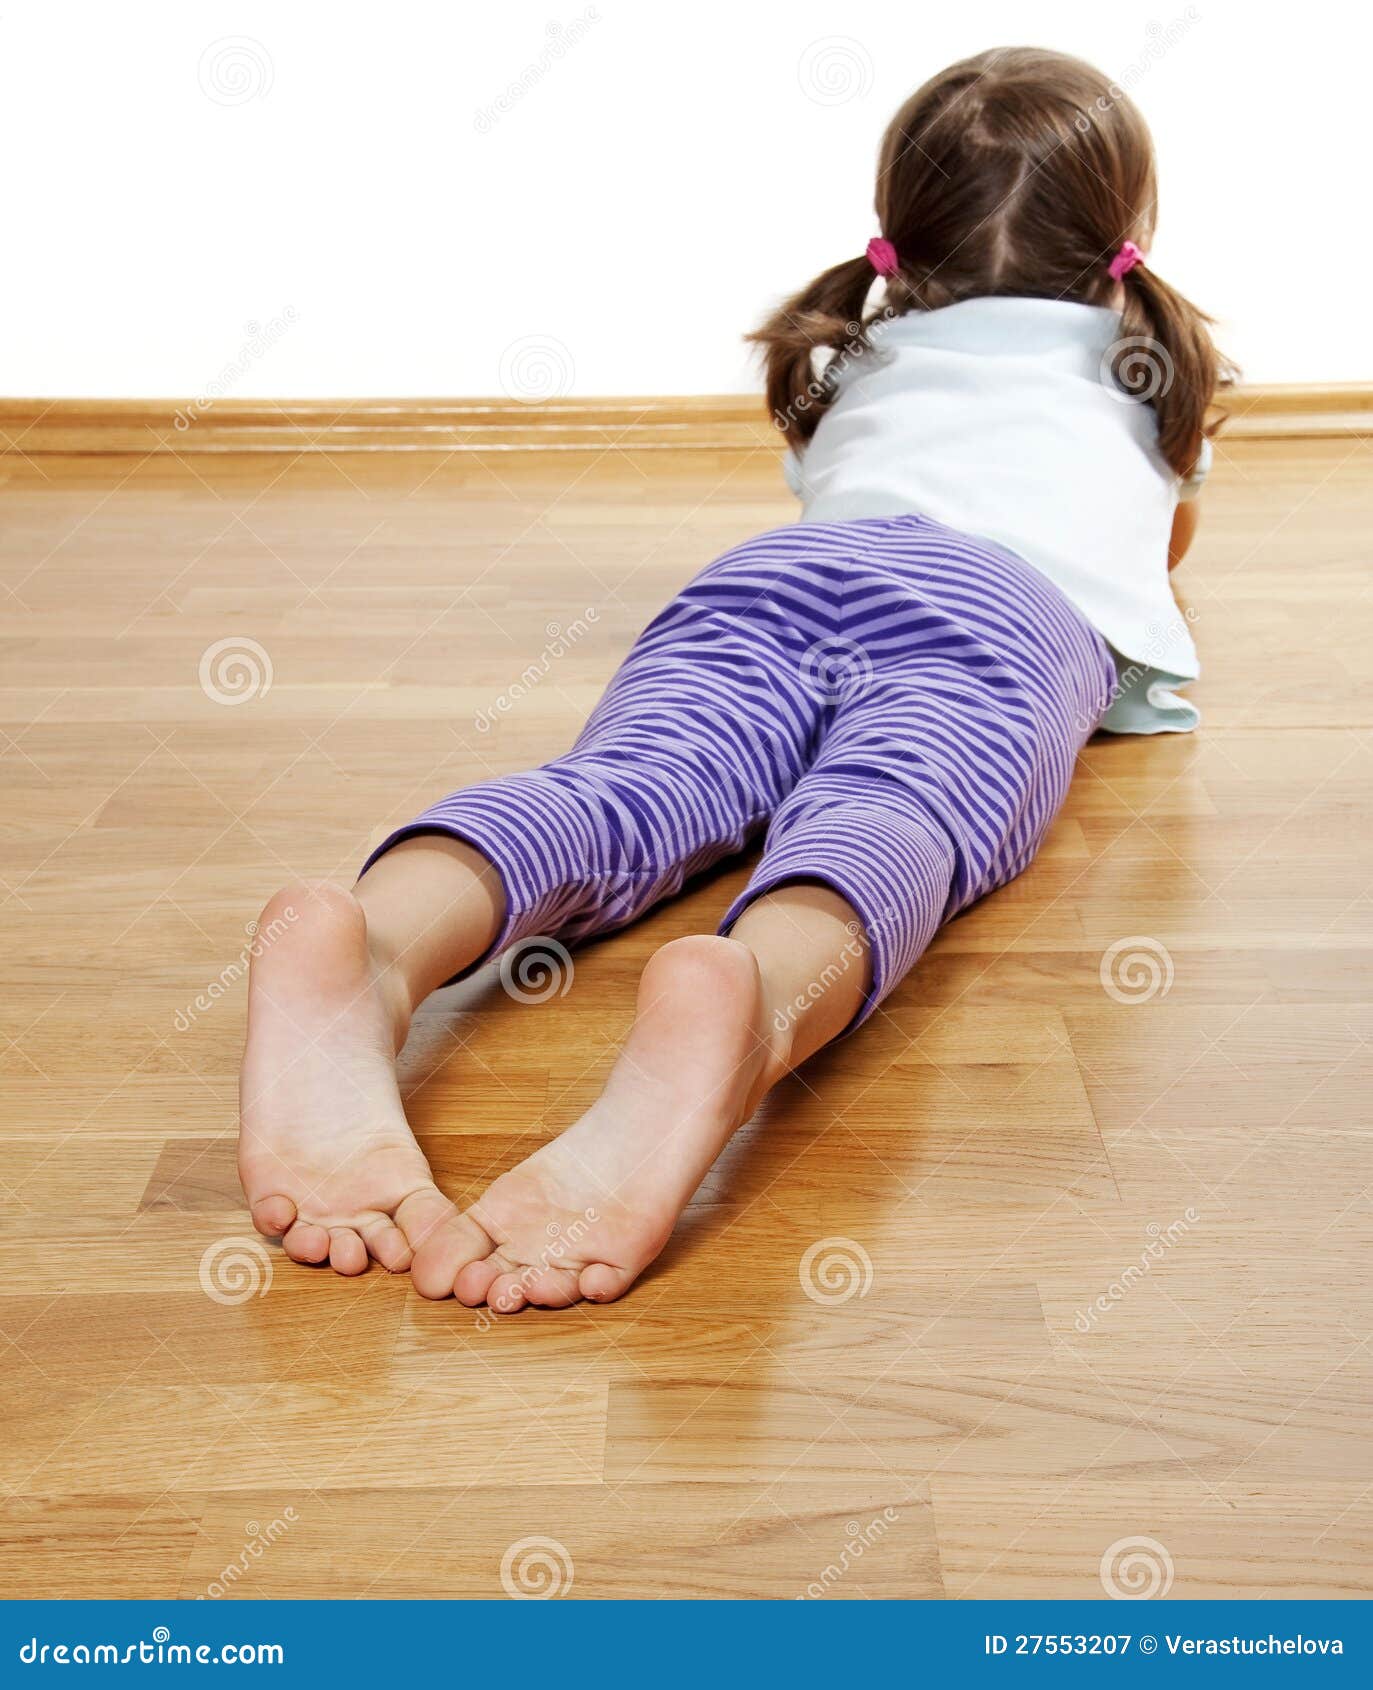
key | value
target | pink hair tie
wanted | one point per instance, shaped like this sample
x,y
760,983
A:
x,y
1124,261
882,256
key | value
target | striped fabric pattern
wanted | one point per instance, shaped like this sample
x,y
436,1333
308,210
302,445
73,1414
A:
x,y
901,705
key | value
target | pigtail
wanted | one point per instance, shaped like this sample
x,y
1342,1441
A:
x,y
1165,357
827,315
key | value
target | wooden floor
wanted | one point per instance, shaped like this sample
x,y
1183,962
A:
x,y
1093,1258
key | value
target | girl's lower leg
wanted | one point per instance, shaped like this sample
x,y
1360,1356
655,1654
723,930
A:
x,y
433,905
815,965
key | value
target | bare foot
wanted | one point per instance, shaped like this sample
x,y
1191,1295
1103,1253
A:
x,y
586,1214
325,1154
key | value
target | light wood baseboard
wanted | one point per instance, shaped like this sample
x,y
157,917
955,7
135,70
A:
x,y
732,422
1325,412
729,422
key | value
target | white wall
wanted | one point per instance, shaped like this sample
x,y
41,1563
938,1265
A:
x,y
319,201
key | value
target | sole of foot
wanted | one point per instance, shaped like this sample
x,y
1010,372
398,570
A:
x,y
586,1214
325,1155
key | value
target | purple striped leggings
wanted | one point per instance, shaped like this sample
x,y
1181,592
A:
x,y
899,703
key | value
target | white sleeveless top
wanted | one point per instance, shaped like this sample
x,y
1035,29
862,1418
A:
x,y
999,417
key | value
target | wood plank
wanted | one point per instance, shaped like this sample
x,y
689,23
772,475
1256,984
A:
x,y
94,1548
863,1539
322,1433
1277,1541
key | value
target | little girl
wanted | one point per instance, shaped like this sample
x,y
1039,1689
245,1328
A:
x,y
990,460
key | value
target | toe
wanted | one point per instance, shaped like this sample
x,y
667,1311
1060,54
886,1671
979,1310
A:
x,y
477,1278
424,1216
347,1252
551,1287
387,1244
473,1282
601,1283
306,1243
443,1249
274,1216
507,1292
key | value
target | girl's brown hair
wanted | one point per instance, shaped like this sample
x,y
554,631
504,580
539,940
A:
x,y
1019,171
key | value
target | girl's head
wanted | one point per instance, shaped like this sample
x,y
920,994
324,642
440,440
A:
x,y
1019,171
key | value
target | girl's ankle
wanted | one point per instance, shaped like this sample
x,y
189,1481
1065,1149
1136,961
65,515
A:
x,y
393,988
